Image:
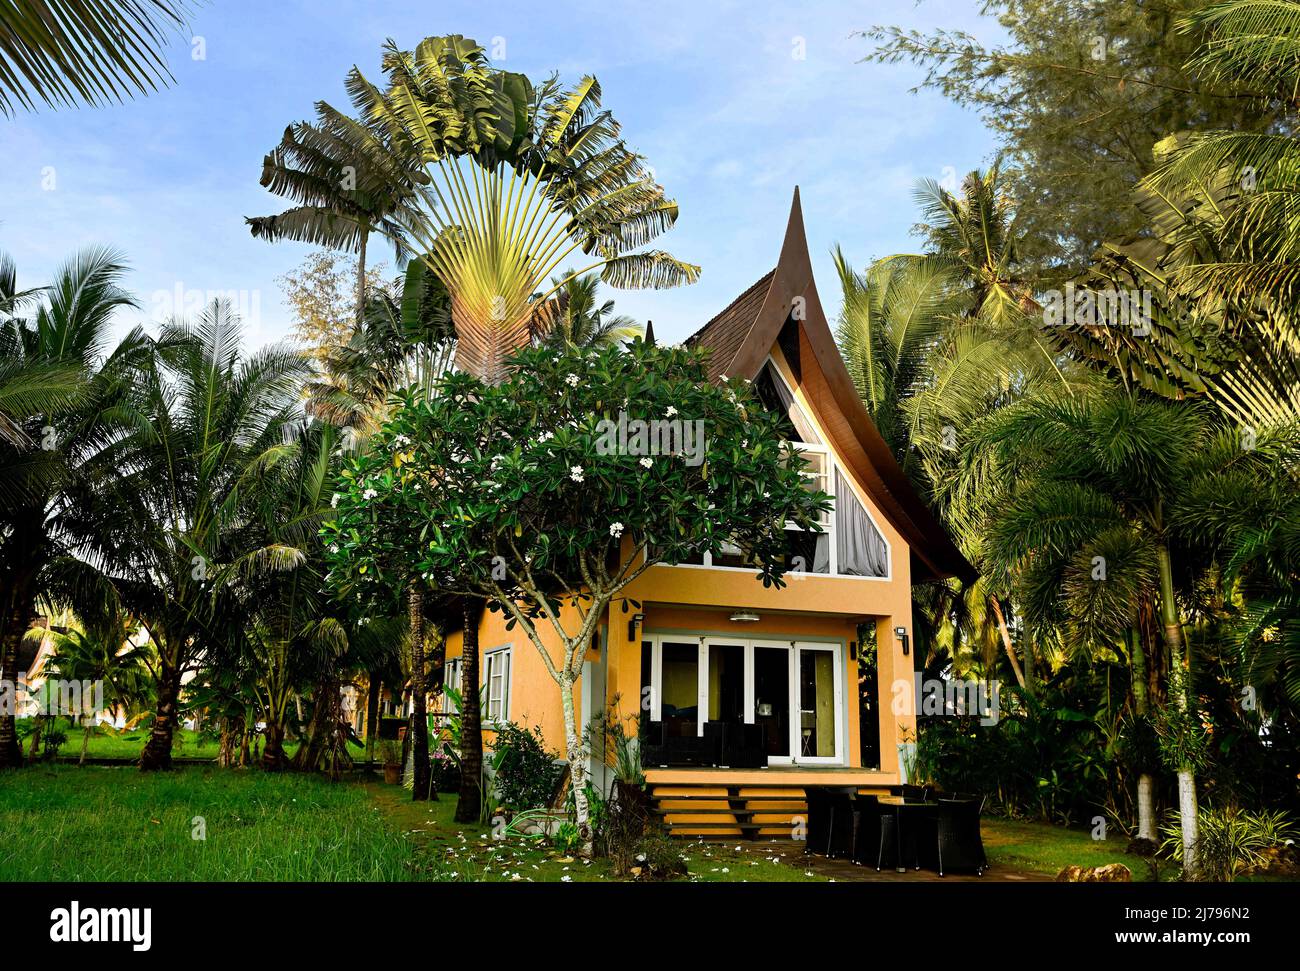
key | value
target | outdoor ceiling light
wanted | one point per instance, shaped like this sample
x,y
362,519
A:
x,y
744,617
901,634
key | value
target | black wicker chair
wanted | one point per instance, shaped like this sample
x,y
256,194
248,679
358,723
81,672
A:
x,y
958,842
843,824
819,820
866,829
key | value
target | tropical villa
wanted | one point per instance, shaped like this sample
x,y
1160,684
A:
x,y
750,693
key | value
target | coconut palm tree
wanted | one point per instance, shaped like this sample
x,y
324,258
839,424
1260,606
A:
x,y
572,316
93,52
973,234
102,652
210,420
28,388
519,179
279,584
347,182
60,448
892,319
935,342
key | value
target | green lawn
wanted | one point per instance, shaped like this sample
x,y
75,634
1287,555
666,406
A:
x,y
65,822
1049,849
106,743
97,823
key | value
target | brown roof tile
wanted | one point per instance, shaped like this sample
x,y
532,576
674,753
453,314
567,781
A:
x,y
724,335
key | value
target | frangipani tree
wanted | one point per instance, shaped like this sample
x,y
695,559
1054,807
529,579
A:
x,y
521,178
527,494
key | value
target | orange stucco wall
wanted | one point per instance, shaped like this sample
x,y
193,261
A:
x,y
534,695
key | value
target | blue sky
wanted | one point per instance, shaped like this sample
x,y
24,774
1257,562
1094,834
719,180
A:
x,y
712,93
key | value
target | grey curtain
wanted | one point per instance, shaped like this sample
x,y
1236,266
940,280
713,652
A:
x,y
860,548
797,418
822,554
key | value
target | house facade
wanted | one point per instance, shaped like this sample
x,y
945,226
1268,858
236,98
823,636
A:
x,y
746,694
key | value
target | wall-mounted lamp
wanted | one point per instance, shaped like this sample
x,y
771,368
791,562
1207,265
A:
x,y
901,634
744,617
635,621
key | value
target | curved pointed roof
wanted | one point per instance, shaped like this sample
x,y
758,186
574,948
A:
x,y
741,337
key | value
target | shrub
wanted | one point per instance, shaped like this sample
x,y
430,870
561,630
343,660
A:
x,y
444,772
1229,841
567,839
659,857
621,827
1044,758
527,772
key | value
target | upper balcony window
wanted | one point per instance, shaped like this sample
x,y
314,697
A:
x,y
849,543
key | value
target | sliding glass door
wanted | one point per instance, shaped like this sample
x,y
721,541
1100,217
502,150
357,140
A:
x,y
794,690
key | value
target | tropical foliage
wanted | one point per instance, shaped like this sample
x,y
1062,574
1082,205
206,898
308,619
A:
x,y
1102,406
91,52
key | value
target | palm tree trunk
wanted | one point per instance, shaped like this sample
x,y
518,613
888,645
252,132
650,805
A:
x,y
470,804
419,697
1029,660
1006,640
85,742
372,714
1180,677
361,277
273,759
11,753
157,754
12,628
1146,782
226,747
34,749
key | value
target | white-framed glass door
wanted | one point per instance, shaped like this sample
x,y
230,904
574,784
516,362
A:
x,y
794,689
818,694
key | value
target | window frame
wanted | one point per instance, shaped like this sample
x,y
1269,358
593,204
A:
x,y
492,660
830,466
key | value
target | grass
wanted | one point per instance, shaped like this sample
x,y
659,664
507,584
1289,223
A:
x,y
100,823
108,743
1041,848
64,822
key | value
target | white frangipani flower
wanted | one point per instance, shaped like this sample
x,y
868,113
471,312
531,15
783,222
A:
x,y
616,530
575,473
646,461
